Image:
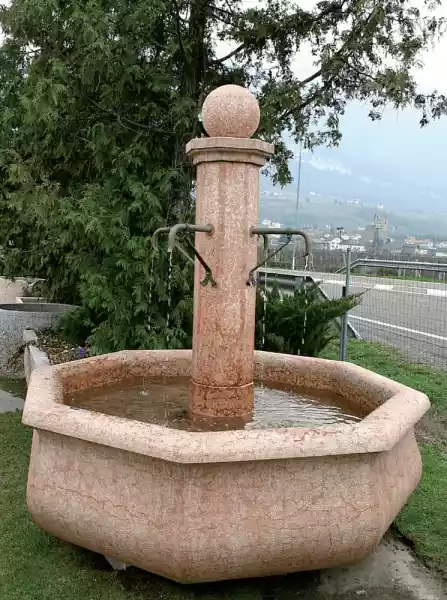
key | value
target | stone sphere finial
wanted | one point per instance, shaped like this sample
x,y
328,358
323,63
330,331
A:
x,y
230,111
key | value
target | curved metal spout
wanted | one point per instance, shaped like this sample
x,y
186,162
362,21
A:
x,y
288,231
209,229
265,232
173,243
156,234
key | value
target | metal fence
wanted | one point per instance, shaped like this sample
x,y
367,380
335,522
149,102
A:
x,y
408,313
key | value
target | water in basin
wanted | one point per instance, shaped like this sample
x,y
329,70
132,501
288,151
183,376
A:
x,y
166,403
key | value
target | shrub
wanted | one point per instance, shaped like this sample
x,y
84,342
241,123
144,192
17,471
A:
x,y
77,325
298,323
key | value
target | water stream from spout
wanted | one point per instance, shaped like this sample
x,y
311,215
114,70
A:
x,y
151,280
263,324
168,314
306,302
149,299
264,310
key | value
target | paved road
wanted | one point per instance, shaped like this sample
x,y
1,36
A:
x,y
409,315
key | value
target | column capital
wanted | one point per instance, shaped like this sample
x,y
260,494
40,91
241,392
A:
x,y
228,149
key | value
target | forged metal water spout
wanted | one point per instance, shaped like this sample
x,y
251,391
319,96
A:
x,y
174,243
265,232
180,227
156,234
289,231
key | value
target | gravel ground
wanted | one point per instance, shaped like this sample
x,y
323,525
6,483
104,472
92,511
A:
x,y
58,349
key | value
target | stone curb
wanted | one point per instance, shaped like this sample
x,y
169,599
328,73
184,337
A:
x,y
33,357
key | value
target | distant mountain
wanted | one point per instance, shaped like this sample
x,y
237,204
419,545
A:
x,y
392,162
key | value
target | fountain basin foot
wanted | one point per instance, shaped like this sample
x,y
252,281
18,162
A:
x,y
198,507
215,401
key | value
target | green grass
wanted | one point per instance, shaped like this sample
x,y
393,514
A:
x,y
423,521
15,386
34,565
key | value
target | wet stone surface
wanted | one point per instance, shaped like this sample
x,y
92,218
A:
x,y
391,573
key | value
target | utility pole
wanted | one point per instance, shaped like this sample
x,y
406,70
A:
x,y
345,292
298,185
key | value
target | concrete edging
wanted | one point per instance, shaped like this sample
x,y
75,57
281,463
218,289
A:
x,y
15,317
33,357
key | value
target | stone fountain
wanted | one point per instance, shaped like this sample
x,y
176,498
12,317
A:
x,y
199,506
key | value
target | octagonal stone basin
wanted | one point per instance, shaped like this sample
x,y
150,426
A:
x,y
198,507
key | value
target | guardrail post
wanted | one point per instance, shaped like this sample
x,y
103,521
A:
x,y
344,319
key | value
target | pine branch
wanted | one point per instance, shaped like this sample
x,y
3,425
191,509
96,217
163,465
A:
x,y
332,8
362,73
219,61
223,11
122,120
310,78
178,29
339,55
286,114
313,97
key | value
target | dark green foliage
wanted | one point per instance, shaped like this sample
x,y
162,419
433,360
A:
x,y
299,323
99,97
78,325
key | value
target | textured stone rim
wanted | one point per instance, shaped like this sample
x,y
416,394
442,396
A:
x,y
400,409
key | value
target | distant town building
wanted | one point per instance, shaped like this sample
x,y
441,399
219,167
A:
x,y
354,247
424,244
393,247
409,250
320,244
380,230
334,244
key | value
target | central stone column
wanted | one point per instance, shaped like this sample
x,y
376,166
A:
x,y
227,197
